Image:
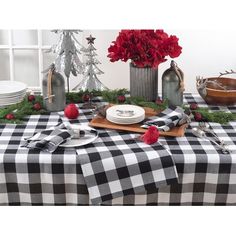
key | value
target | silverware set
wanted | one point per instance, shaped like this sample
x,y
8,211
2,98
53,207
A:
x,y
201,132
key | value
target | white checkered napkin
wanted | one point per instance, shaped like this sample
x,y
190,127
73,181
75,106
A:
x,y
165,120
115,172
49,139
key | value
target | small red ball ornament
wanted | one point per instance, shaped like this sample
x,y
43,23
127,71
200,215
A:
x,y
193,106
31,98
198,116
159,101
37,106
85,97
10,116
71,111
121,98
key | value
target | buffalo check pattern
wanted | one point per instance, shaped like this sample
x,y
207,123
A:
x,y
165,120
118,164
124,167
30,177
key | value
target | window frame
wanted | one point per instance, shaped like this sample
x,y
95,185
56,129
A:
x,y
39,47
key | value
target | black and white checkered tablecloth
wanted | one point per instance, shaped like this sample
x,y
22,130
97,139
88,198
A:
x,y
206,177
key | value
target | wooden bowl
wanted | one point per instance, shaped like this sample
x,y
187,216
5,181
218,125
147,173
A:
x,y
216,95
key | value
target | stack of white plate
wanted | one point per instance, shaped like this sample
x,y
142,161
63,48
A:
x,y
11,92
125,114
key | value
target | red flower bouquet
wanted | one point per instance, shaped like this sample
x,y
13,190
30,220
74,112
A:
x,y
145,48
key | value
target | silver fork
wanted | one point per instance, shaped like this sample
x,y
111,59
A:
x,y
201,134
206,128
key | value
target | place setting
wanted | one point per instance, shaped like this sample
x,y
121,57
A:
x,y
74,140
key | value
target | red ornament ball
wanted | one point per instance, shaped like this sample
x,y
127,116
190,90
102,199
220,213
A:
x,y
31,98
86,97
71,111
121,98
37,106
193,106
10,116
198,116
159,101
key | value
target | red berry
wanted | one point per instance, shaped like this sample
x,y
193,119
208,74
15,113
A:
x,y
71,111
121,98
193,106
85,97
31,98
159,101
198,116
37,106
10,116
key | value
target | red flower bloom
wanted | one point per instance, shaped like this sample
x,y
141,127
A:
x,y
151,135
145,48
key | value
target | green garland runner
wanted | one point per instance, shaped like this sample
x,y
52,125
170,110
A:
x,y
21,110
220,117
108,95
25,108
139,101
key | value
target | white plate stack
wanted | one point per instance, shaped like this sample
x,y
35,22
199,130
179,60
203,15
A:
x,y
125,114
11,92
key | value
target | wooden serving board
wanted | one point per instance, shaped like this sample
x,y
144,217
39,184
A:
x,y
101,122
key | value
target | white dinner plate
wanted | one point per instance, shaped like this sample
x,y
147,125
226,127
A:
x,y
125,114
125,122
2,105
136,111
120,122
7,100
78,142
6,96
8,87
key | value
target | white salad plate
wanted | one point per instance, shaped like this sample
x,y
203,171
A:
x,y
78,142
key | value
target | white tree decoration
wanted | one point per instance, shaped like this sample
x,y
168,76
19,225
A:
x,y
90,81
67,49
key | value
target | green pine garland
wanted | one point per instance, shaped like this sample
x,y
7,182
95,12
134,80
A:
x,y
139,101
25,107
21,110
77,97
111,96
220,117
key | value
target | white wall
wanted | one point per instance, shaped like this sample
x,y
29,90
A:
x,y
205,53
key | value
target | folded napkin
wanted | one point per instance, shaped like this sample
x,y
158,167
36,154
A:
x,y
167,119
48,140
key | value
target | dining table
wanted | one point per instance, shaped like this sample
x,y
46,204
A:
x,y
194,170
